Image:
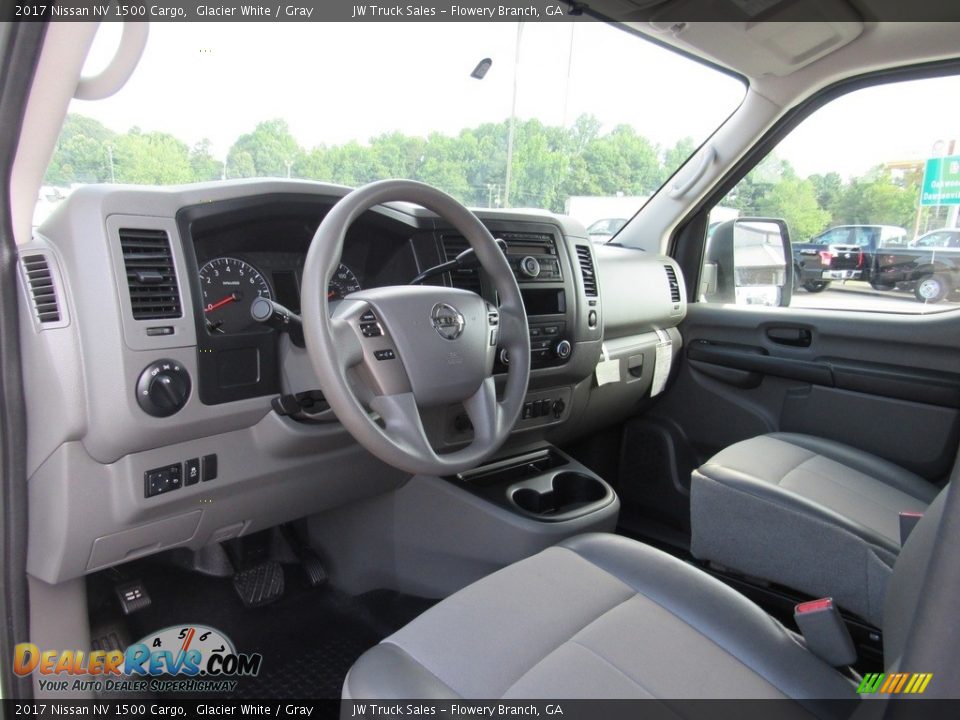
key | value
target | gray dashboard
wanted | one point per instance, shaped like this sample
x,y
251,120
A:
x,y
92,449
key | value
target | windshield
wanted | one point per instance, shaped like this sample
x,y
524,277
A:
x,y
578,118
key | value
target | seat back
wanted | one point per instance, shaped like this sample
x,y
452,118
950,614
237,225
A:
x,y
907,582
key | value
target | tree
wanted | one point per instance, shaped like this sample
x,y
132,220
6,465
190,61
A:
x,y
202,163
272,150
151,159
877,200
81,154
240,165
795,201
828,189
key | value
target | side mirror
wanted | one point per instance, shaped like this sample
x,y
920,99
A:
x,y
748,261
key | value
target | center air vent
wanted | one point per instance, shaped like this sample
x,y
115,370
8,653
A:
x,y
674,285
150,274
585,257
42,291
468,279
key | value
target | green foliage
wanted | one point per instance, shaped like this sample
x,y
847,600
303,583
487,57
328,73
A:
x,y
203,164
270,147
81,155
796,202
151,159
550,164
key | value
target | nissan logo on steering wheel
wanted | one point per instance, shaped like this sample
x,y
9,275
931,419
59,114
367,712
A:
x,y
447,321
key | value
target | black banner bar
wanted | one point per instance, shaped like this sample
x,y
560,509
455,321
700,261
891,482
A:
x,y
664,13
665,709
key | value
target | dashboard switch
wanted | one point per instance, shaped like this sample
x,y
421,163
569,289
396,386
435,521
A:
x,y
163,388
192,475
162,480
209,468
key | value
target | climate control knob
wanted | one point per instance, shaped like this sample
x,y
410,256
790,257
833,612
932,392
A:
x,y
563,349
163,388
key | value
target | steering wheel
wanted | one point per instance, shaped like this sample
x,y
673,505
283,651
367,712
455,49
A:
x,y
400,348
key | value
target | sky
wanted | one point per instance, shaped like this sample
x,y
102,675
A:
x,y
336,82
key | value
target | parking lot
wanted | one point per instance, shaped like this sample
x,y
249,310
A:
x,y
855,295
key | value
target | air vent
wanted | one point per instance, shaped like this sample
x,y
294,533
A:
x,y
453,245
674,285
586,269
42,290
150,275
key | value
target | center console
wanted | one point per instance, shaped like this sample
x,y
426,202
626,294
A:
x,y
546,485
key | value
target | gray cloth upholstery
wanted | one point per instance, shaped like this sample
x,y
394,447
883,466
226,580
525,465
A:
x,y
808,513
596,616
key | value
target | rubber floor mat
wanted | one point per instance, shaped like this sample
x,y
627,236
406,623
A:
x,y
309,638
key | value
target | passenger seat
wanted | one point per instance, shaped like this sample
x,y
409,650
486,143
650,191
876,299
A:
x,y
808,513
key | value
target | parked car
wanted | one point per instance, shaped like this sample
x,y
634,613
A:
x,y
602,230
929,266
844,252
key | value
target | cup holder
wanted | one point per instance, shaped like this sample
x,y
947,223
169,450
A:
x,y
566,493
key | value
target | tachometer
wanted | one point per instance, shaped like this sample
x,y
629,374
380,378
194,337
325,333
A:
x,y
229,288
343,282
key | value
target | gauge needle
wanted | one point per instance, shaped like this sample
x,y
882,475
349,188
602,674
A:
x,y
332,294
220,303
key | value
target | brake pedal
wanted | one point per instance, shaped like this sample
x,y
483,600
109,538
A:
x,y
133,596
259,585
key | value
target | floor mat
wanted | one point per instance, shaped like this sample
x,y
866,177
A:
x,y
309,638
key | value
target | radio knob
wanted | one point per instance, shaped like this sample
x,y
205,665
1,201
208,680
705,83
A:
x,y
530,266
563,349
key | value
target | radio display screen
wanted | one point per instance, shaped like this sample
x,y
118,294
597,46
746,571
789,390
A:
x,y
544,302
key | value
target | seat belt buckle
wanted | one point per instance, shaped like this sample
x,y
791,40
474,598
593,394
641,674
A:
x,y
824,632
908,521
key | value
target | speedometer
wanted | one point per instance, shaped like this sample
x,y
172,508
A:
x,y
229,288
343,282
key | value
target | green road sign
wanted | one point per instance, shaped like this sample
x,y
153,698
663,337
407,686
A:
x,y
941,181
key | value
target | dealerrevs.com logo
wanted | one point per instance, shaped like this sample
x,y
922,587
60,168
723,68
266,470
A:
x,y
192,658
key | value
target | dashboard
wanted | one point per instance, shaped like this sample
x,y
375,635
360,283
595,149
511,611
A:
x,y
153,284
237,251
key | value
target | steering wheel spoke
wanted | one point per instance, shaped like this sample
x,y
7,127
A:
x,y
402,423
414,346
484,412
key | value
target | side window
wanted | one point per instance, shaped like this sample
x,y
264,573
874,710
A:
x,y
870,199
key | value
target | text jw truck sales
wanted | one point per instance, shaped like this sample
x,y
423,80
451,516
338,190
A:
x,y
457,11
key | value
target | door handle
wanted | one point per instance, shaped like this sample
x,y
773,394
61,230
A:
x,y
792,336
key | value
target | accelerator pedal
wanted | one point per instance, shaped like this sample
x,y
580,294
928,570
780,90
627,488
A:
x,y
259,585
313,569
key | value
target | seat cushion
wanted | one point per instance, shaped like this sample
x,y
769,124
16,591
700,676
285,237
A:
x,y
806,512
596,616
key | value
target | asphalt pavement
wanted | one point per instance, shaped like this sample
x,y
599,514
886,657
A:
x,y
855,295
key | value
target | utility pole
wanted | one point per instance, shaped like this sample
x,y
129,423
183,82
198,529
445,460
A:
x,y
513,119
113,175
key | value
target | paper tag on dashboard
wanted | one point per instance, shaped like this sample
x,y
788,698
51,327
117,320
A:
x,y
661,367
608,371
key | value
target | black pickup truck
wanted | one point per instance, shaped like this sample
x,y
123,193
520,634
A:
x,y
844,252
929,266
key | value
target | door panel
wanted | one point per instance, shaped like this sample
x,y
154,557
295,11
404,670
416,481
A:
x,y
883,383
